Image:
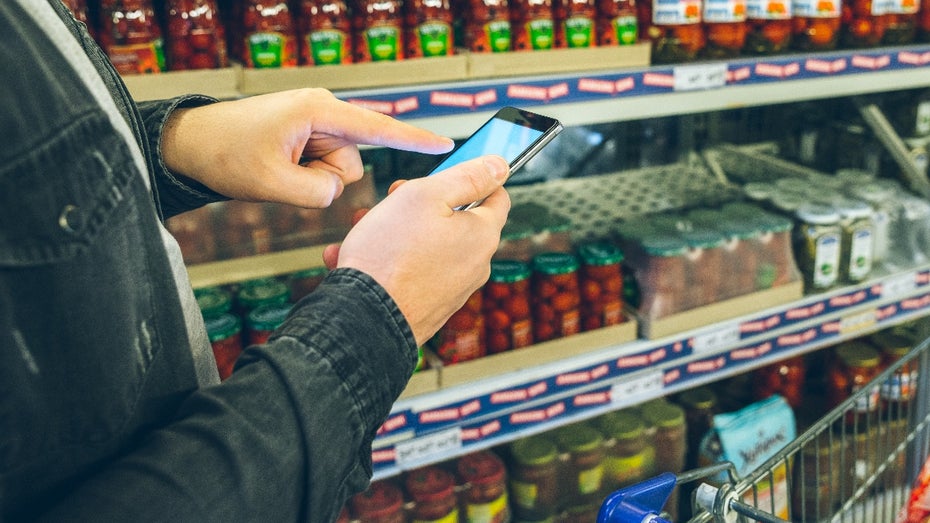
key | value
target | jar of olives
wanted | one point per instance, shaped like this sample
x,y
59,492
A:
x,y
506,306
858,239
556,297
601,282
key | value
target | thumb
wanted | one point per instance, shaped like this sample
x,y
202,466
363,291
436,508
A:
x,y
308,186
472,180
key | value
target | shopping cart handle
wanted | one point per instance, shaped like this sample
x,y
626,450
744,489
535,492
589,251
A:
x,y
639,503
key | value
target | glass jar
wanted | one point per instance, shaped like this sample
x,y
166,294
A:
x,y
130,34
670,441
432,491
900,388
378,30
516,242
818,246
864,23
768,27
616,22
382,502
485,492
325,32
701,405
705,269
855,365
262,321
428,28
601,282
901,19
196,35
857,239
816,476
724,27
785,378
661,276
270,37
534,478
487,26
815,24
262,291
740,255
923,21
532,25
673,28
225,334
506,306
628,457
556,297
574,23
462,337
583,446
302,283
213,301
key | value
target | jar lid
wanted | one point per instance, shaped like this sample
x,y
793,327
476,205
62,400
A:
x,y
664,246
665,415
222,326
622,425
759,191
741,209
600,253
312,272
791,184
700,398
858,354
850,177
514,231
852,209
429,483
268,317
703,239
579,437
381,499
509,271
555,263
892,343
259,292
739,227
788,203
818,214
873,192
213,301
771,222
534,451
481,468
705,217
635,229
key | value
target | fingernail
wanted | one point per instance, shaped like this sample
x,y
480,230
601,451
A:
x,y
498,167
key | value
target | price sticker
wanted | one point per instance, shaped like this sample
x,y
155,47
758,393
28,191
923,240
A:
x,y
716,340
700,76
433,446
857,321
647,385
899,286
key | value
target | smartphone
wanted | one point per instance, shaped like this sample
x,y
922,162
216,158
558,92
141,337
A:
x,y
515,134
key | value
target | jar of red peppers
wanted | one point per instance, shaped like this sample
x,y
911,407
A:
x,y
131,36
725,28
815,24
487,27
574,23
261,322
556,296
382,502
768,26
601,283
270,37
534,478
378,29
428,28
325,32
864,22
854,366
196,36
462,337
785,378
616,22
674,28
432,491
532,25
225,334
506,306
485,491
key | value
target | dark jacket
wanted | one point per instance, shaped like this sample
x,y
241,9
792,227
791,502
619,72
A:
x,y
101,414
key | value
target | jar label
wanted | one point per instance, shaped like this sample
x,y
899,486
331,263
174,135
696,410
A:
x,y
498,33
589,481
138,58
383,42
768,9
328,46
816,8
434,38
522,334
676,12
826,260
541,33
579,31
900,386
860,254
267,50
724,11
901,7
451,517
524,494
625,470
626,29
492,512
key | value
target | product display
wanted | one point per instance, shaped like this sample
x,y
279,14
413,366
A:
x,y
131,35
463,336
325,32
506,306
556,297
428,28
269,35
575,23
196,35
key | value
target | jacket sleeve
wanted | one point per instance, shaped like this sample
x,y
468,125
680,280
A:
x,y
287,437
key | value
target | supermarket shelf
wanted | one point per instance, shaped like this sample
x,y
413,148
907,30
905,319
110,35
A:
x,y
237,270
495,409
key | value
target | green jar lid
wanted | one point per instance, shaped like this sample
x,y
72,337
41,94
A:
x,y
509,271
600,253
700,398
790,184
554,222
664,246
850,177
262,292
856,354
634,230
213,301
873,192
534,451
788,203
769,222
733,226
312,272
892,343
818,214
664,415
703,239
705,217
222,326
579,437
760,191
268,317
621,425
555,263
741,209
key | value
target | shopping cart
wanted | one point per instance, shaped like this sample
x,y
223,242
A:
x,y
847,467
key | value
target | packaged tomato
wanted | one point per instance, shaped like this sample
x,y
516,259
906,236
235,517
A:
x,y
378,30
601,283
902,19
556,296
616,22
131,36
428,28
532,25
196,35
768,26
325,32
815,24
863,22
506,306
487,27
673,28
462,338
725,28
269,35
574,23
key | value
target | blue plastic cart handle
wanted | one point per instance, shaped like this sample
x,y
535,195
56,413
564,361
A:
x,y
639,503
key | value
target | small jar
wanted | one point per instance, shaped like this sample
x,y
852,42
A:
x,y
225,334
670,441
816,24
213,301
855,365
263,320
432,491
462,337
923,21
583,447
819,245
616,22
382,502
574,23
130,34
661,276
532,25
601,281
705,269
263,291
673,28
775,249
701,405
506,306
516,242
902,20
857,239
628,457
864,23
556,296
378,29
900,388
724,27
487,25
325,32
302,283
534,478
785,378
428,28
741,256
485,491
817,473
270,36
768,27
196,35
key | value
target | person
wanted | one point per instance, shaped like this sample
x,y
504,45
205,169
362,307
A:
x,y
110,406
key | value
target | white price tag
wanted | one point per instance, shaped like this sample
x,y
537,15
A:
x,y
716,340
899,286
647,385
700,76
857,321
430,446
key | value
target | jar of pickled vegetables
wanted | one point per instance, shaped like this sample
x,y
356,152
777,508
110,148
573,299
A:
x,y
382,502
725,28
196,35
815,24
855,365
484,497
378,28
674,29
819,244
432,491
462,337
506,306
616,22
740,250
534,478
428,28
225,334
325,32
670,441
705,266
601,282
270,36
262,321
858,239
574,23
768,27
864,22
629,457
487,27
130,34
556,296
785,378
532,25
